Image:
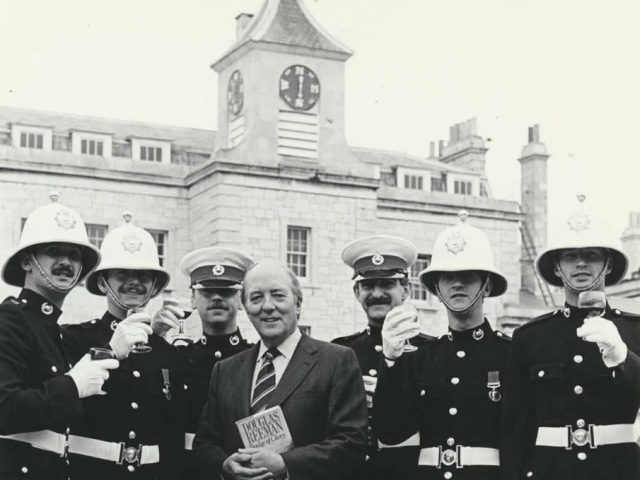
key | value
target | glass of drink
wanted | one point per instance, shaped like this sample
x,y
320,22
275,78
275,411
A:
x,y
594,302
185,305
102,354
139,347
408,307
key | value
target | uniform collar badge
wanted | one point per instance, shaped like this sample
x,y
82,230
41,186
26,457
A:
x,y
114,325
478,334
234,340
131,243
377,259
203,339
456,243
47,308
65,219
566,312
217,270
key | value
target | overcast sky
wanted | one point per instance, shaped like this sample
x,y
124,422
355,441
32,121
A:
x,y
572,66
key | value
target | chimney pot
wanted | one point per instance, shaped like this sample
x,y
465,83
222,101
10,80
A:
x,y
432,149
440,147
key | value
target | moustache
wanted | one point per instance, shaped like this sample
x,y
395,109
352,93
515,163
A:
x,y
378,301
133,290
62,271
217,306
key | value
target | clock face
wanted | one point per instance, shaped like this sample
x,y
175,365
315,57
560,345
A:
x,y
299,87
235,93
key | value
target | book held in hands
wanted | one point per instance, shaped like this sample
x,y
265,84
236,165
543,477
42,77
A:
x,y
267,429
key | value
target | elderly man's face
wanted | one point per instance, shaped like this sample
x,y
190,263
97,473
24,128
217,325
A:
x,y
270,303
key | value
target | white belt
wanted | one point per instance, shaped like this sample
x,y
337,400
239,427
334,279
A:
x,y
90,447
594,435
412,441
188,441
460,457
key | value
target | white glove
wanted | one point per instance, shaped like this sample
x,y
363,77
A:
x,y
133,329
604,332
400,324
370,384
167,317
89,375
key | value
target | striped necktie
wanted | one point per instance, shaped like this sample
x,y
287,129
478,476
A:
x,y
265,383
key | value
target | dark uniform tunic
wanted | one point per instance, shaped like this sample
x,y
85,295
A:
x,y
555,379
34,392
382,463
201,357
448,390
144,405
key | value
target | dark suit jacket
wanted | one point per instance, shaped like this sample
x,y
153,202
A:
x,y
322,398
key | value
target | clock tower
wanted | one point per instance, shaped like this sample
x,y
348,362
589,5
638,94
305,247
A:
x,y
281,92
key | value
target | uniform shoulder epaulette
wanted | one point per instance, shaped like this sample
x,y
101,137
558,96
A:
x,y
349,337
546,316
622,313
13,302
90,325
501,335
423,338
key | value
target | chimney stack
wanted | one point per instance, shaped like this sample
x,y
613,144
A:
x,y
242,21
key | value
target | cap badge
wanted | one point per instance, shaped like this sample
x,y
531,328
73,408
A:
x,y
377,259
65,219
456,243
579,222
234,340
217,270
131,243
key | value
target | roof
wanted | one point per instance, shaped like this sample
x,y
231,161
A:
x,y
64,123
288,22
391,159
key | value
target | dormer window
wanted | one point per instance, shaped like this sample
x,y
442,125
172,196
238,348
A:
x,y
27,136
87,143
157,151
413,178
464,184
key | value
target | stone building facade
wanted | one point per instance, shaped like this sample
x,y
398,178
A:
x,y
277,179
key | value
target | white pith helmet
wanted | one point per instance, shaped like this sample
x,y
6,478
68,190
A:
x,y
51,224
461,248
129,248
579,233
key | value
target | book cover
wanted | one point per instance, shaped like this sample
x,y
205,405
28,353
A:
x,y
267,429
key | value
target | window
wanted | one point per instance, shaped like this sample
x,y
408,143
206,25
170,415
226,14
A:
x,y
413,181
32,140
152,154
298,250
92,147
418,291
462,188
96,234
160,237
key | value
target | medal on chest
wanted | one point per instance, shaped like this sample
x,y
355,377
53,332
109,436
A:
x,y
493,384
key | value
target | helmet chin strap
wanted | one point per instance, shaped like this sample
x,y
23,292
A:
x,y
120,303
589,287
463,310
49,281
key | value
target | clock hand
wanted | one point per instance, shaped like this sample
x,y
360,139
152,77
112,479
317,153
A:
x,y
300,82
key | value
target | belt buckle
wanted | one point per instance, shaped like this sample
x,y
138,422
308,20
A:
x,y
65,446
580,437
449,457
131,455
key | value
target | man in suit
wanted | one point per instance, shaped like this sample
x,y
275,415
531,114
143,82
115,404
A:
x,y
317,385
573,378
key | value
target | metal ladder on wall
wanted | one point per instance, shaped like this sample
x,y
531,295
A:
x,y
529,246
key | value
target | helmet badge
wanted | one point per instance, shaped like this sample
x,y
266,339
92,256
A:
x,y
377,259
131,243
65,219
217,270
456,243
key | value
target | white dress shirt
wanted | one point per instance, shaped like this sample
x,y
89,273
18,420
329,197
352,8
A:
x,y
280,362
